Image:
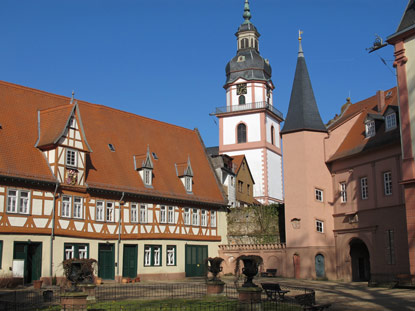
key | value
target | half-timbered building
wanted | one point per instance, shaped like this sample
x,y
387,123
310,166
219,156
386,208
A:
x,y
83,180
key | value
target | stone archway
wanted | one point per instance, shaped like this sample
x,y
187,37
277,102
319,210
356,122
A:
x,y
360,260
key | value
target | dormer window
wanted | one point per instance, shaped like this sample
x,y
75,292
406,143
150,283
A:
x,y
185,173
390,121
188,183
144,165
370,128
71,157
147,174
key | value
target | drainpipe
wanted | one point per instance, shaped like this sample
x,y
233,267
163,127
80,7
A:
x,y
52,236
119,235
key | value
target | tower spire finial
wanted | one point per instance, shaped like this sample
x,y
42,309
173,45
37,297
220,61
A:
x,y
247,13
300,48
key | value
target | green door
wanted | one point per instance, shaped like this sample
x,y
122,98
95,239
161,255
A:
x,y
195,260
31,253
129,263
106,261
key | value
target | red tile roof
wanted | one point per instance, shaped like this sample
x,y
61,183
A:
x,y
355,141
237,162
129,133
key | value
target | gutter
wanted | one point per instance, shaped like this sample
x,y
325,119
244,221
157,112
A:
x,y
52,236
119,234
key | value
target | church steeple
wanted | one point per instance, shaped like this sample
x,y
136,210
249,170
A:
x,y
303,114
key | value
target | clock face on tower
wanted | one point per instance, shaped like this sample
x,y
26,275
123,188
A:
x,y
241,89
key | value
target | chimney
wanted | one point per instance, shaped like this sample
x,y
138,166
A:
x,y
380,97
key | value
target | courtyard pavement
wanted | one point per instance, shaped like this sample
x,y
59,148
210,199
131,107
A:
x,y
346,296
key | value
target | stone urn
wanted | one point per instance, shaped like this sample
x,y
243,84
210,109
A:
x,y
249,292
214,285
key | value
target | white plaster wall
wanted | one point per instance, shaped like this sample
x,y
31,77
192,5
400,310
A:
x,y
255,159
274,175
2,203
270,121
410,76
259,93
37,206
252,122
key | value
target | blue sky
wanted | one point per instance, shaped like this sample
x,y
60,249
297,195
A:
x,y
165,59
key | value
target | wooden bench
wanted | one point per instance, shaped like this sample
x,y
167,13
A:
x,y
274,291
269,273
307,303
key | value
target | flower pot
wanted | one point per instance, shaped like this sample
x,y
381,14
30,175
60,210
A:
x,y
98,281
37,284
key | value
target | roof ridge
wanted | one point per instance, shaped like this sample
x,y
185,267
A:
x,y
18,86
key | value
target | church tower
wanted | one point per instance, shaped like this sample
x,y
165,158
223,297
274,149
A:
x,y
249,124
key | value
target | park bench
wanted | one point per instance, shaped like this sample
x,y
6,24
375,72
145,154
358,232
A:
x,y
274,291
307,303
269,273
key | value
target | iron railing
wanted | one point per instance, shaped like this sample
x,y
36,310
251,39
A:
x,y
249,106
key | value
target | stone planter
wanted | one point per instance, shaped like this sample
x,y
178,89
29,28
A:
x,y
214,287
88,289
249,294
37,284
74,301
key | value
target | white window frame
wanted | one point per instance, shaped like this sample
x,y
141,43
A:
x,y
188,183
213,219
387,182
186,216
100,211
83,252
69,252
134,212
390,121
319,195
364,189
170,215
147,176
71,157
18,201
319,226
147,256
78,210
156,255
203,218
163,214
370,128
143,214
109,211
171,255
195,217
66,206
343,192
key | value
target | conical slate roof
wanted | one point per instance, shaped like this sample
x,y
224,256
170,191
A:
x,y
302,113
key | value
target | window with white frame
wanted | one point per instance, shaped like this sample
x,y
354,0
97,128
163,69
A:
x,y
390,121
99,213
163,214
134,212
171,255
186,217
204,218
66,206
109,212
170,215
319,226
390,247
143,213
152,255
75,250
147,174
195,217
71,157
370,128
213,219
77,207
364,190
318,194
188,183
18,201
387,183
343,192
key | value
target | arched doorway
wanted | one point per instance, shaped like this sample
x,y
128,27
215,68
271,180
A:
x,y
320,266
359,254
296,262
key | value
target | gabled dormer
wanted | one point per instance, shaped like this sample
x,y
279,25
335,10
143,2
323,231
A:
x,y
391,118
372,124
185,172
144,165
62,140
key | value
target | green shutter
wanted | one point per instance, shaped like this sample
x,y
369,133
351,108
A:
x,y
1,252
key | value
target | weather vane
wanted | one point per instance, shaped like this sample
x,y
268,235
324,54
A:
x,y
377,44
